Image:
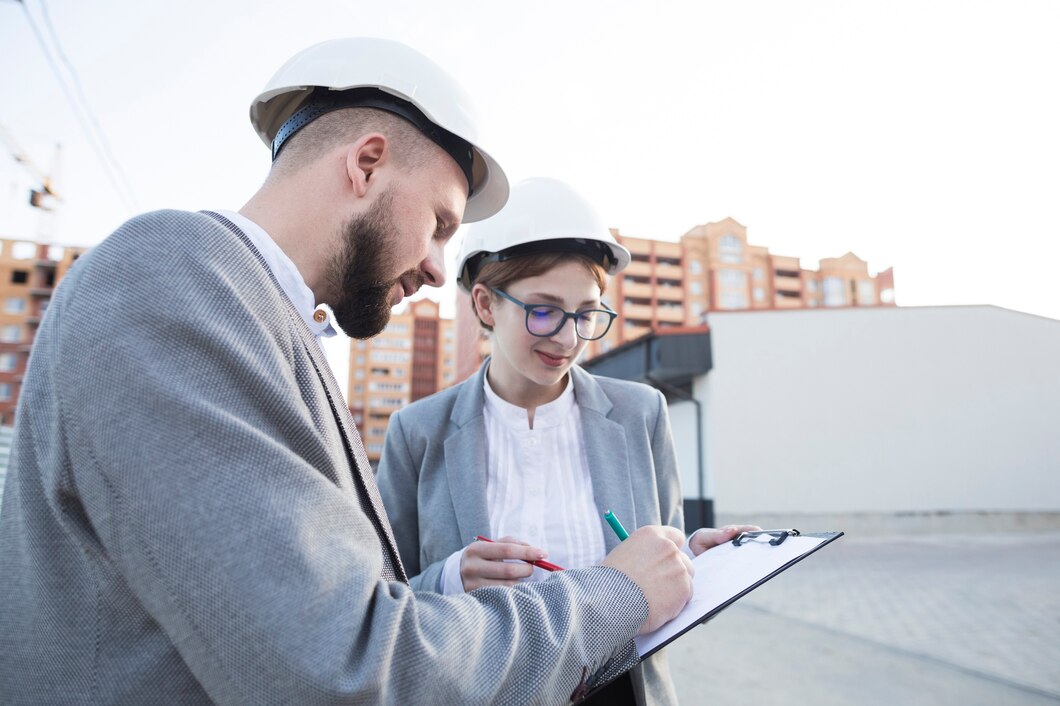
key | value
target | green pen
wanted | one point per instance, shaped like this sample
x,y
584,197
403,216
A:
x,y
616,526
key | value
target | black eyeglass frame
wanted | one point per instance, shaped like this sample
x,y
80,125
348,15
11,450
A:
x,y
611,314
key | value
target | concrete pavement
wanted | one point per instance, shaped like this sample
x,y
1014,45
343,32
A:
x,y
907,619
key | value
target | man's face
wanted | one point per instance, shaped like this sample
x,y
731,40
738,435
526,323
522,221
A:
x,y
393,249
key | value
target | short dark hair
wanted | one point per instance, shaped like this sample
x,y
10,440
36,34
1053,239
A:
x,y
409,147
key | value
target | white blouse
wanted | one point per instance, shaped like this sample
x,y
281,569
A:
x,y
538,487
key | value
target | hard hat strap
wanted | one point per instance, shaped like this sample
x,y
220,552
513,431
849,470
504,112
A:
x,y
324,100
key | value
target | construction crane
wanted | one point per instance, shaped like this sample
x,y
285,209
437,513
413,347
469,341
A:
x,y
44,196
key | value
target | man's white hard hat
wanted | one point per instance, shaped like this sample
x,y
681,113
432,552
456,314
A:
x,y
542,215
388,75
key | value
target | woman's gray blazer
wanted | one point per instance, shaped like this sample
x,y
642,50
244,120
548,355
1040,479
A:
x,y
432,477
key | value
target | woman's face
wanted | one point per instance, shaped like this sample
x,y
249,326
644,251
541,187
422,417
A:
x,y
521,358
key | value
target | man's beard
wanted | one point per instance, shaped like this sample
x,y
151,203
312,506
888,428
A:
x,y
359,282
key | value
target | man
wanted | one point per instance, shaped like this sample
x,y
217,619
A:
x,y
190,517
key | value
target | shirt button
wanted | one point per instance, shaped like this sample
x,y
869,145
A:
x,y
320,316
532,442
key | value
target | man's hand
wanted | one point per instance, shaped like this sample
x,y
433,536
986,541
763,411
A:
x,y
484,563
653,559
707,537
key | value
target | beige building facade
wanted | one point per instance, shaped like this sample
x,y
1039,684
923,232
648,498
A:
x,y
714,268
413,358
667,285
29,274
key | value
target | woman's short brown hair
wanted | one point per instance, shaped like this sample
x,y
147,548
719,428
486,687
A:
x,y
500,274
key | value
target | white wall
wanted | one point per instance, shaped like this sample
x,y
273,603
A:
x,y
879,410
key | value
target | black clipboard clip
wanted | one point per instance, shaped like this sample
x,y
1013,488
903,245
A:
x,y
778,536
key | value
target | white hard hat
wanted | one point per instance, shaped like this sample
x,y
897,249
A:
x,y
390,76
542,215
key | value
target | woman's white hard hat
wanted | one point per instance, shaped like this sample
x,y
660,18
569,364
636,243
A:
x,y
542,215
380,73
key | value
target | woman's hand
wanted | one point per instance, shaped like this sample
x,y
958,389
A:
x,y
484,563
704,539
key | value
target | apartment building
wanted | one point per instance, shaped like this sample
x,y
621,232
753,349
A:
x,y
414,357
29,273
666,285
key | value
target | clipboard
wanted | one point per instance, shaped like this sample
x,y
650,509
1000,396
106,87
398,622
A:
x,y
730,571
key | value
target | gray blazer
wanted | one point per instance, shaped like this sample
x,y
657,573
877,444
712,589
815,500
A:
x,y
189,516
432,477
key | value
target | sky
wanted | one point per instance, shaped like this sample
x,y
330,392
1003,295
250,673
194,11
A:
x,y
918,134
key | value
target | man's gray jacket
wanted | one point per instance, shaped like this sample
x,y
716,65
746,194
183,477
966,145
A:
x,y
189,516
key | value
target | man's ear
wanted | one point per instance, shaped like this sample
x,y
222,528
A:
x,y
483,299
364,158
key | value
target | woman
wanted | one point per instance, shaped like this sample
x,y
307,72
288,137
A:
x,y
533,450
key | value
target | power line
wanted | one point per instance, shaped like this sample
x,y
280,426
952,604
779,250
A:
x,y
93,130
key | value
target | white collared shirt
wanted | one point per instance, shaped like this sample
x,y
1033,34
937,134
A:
x,y
285,272
538,486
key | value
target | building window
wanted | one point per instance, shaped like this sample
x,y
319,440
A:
x,y
731,249
811,285
388,387
696,288
391,357
695,266
11,333
5,392
733,300
19,276
759,274
15,305
7,362
733,279
391,343
866,292
834,292
760,294
387,402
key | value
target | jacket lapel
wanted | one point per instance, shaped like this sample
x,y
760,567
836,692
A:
x,y
362,469
465,459
605,447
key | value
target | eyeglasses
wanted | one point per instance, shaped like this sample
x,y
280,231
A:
x,y
544,320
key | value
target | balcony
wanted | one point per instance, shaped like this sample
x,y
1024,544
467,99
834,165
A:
x,y
636,290
788,302
638,311
638,269
784,283
670,293
670,314
674,272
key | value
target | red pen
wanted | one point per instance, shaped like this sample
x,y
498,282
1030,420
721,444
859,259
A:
x,y
546,565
